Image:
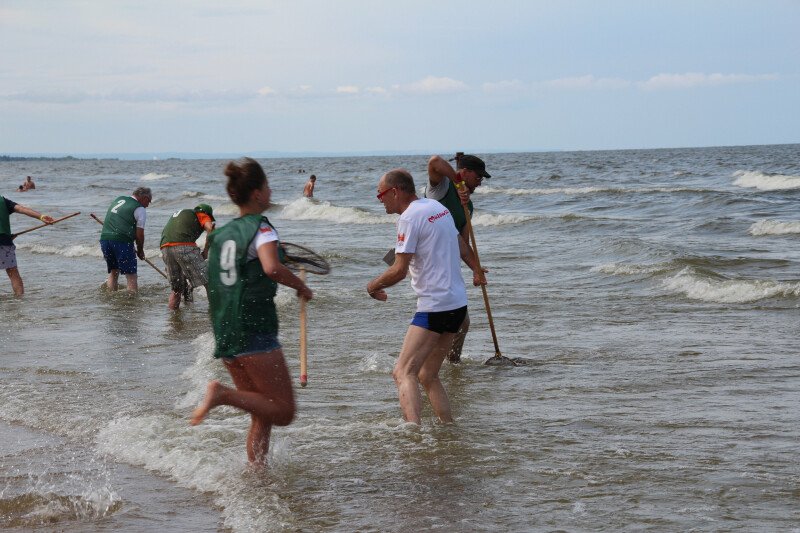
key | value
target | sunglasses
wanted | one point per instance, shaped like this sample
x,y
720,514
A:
x,y
382,194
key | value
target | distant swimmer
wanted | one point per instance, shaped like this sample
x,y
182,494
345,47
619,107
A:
x,y
441,187
185,263
21,188
244,271
428,247
308,190
8,256
28,184
124,225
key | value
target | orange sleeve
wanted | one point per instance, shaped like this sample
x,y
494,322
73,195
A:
x,y
203,218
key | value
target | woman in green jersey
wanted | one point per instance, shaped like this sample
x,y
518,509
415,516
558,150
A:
x,y
244,270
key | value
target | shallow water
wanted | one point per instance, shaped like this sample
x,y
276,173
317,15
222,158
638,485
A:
x,y
655,292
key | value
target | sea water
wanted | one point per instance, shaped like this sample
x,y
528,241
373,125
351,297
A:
x,y
655,294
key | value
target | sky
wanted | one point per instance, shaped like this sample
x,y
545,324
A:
x,y
374,76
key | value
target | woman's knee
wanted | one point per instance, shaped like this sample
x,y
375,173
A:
x,y
286,415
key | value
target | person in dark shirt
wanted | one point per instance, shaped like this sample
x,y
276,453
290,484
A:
x,y
8,255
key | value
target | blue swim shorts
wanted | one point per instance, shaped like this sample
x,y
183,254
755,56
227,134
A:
x,y
441,321
119,256
259,343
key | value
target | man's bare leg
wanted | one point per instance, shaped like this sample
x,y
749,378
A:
x,y
429,377
458,342
417,346
16,282
174,300
133,283
112,283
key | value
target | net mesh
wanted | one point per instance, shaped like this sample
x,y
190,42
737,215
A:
x,y
297,256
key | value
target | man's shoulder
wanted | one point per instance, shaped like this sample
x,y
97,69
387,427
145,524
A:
x,y
438,191
422,208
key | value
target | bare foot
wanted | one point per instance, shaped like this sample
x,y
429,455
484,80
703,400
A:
x,y
213,392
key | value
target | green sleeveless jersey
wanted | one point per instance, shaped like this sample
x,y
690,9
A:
x,y
120,225
5,224
182,227
453,204
240,295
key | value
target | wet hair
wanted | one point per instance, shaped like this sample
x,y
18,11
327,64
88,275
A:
x,y
143,192
244,177
313,177
400,178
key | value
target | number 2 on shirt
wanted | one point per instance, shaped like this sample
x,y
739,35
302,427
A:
x,y
227,262
119,204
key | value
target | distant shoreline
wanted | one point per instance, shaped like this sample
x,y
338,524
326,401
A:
x,y
9,158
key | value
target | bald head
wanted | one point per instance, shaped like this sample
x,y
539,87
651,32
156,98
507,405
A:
x,y
399,178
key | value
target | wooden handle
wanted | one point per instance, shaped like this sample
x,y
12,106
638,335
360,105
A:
x,y
303,336
56,221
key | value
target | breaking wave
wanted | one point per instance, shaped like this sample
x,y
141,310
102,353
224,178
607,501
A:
x,y
307,209
774,227
765,181
694,285
152,176
585,190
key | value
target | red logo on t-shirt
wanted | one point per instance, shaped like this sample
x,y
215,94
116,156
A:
x,y
401,237
265,229
437,216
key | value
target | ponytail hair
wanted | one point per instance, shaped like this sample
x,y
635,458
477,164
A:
x,y
244,177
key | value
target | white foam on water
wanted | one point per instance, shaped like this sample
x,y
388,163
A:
x,y
210,457
381,363
50,508
75,250
582,190
486,219
152,176
558,190
308,209
765,182
226,209
628,269
204,369
774,227
697,287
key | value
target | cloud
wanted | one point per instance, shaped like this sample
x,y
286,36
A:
x,y
376,90
266,91
347,89
691,80
434,85
586,82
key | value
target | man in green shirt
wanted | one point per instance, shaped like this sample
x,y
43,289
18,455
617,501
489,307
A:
x,y
124,225
186,266
8,256
441,186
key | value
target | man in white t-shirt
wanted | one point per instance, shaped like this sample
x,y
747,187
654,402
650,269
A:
x,y
429,248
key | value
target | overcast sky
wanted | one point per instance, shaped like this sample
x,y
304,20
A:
x,y
241,76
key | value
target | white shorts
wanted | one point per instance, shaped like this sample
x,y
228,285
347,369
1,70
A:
x,y
8,257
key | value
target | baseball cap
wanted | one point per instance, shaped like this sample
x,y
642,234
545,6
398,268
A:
x,y
205,208
476,164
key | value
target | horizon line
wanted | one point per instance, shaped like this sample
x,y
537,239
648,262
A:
x,y
308,154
